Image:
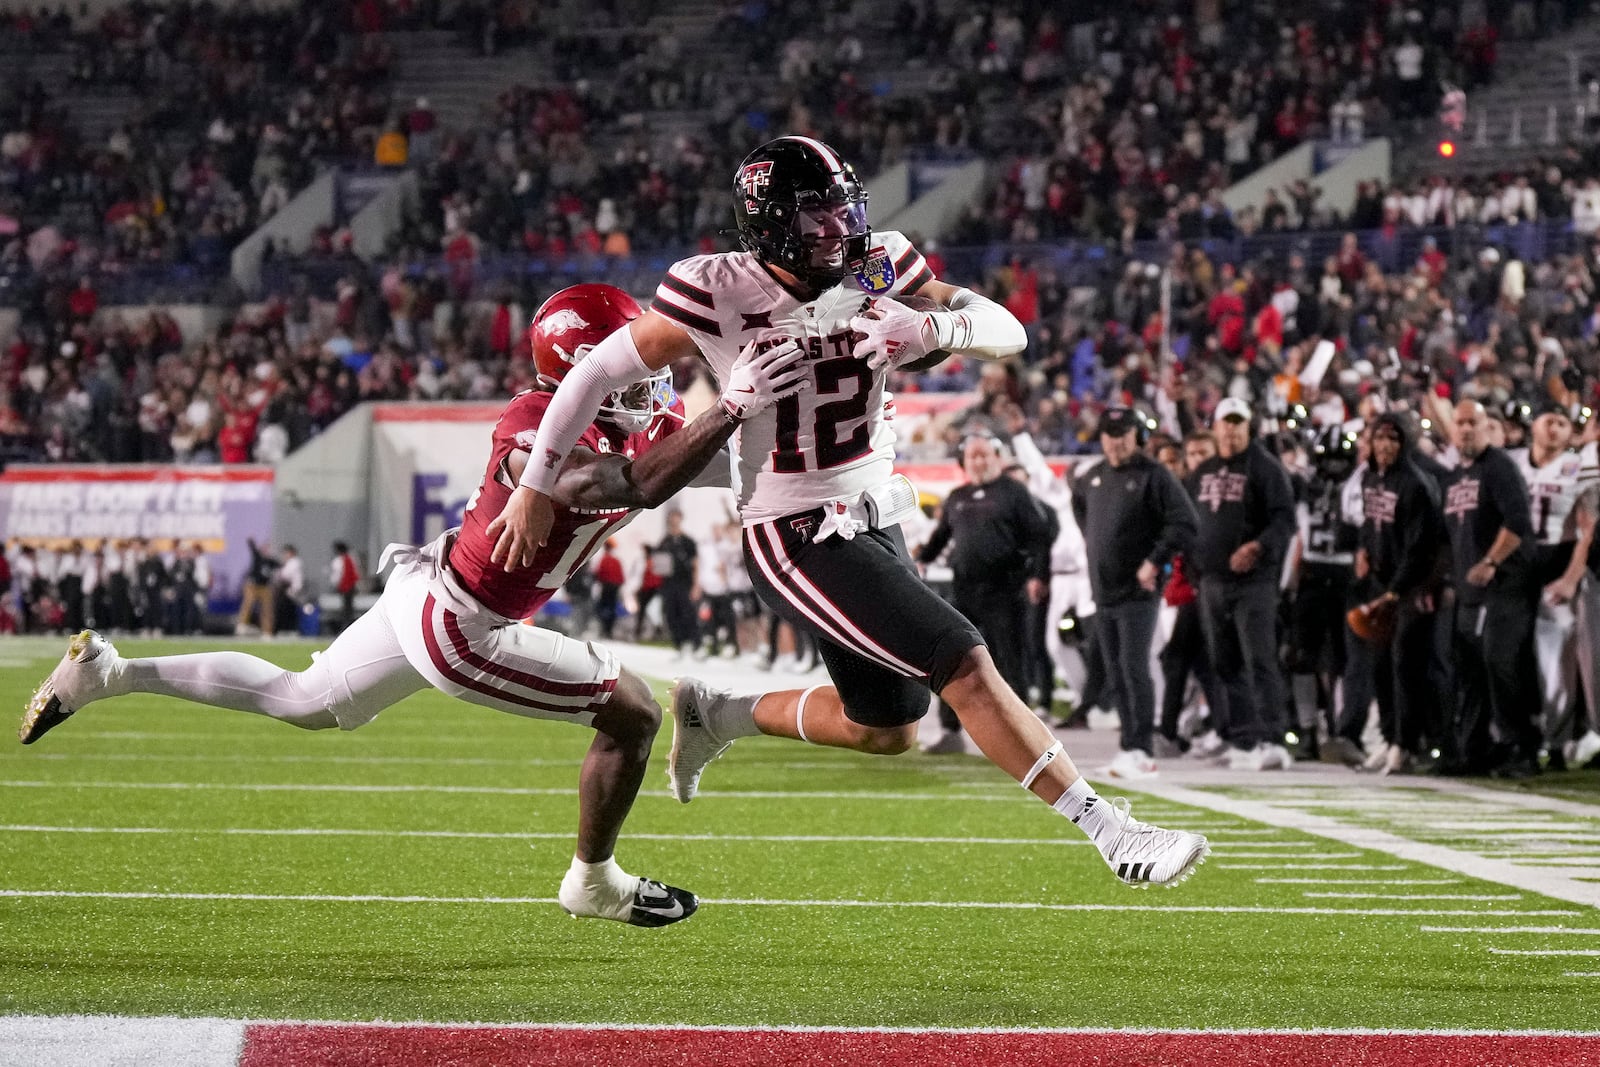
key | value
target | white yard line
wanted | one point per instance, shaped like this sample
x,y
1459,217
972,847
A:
x,y
1415,896
1545,951
766,902
1546,881
870,795
1574,930
1357,881
1312,866
315,831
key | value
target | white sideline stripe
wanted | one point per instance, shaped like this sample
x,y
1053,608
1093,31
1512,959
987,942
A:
x,y
1582,974
767,902
1357,881
795,1028
1577,930
1312,866
1545,951
1547,881
1009,795
114,1041
1416,896
313,831
1445,792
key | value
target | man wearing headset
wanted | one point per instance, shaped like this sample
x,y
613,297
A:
x,y
1000,560
1135,516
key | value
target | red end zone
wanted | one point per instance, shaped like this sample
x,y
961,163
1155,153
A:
x,y
273,1045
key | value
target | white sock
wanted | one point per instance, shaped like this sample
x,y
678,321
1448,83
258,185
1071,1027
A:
x,y
1089,811
598,888
733,716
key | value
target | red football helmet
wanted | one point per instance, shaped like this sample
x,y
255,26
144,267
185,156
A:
x,y
572,322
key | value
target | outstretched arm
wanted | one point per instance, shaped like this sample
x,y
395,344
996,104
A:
x,y
757,380
591,480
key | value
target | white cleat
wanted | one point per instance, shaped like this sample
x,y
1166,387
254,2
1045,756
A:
x,y
1583,750
79,678
1143,855
693,745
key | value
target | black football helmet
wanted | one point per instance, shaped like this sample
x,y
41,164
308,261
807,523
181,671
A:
x,y
798,206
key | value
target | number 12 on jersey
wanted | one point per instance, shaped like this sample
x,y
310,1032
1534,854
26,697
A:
x,y
834,377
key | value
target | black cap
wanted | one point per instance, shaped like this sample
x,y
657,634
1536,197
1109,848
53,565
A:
x,y
1551,407
1118,421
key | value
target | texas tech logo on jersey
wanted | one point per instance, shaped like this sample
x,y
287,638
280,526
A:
x,y
753,180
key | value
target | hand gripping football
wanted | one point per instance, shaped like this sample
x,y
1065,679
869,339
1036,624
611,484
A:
x,y
938,355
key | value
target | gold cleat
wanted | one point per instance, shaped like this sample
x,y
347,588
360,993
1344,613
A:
x,y
45,709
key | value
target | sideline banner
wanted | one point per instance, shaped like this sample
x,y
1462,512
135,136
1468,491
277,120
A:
x,y
218,508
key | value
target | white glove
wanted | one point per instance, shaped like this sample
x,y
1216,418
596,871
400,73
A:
x,y
894,335
760,379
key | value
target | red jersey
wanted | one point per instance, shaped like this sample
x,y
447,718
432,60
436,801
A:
x,y
575,535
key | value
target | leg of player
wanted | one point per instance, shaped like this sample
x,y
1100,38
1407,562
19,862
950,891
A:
x,y
1014,739
92,670
817,715
707,720
595,886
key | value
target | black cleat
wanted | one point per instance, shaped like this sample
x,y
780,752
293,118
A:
x,y
655,904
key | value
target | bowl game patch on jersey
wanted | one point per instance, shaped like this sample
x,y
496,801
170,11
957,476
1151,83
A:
x,y
877,273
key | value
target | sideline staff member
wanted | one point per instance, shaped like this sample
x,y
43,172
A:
x,y
1000,557
1247,520
1135,516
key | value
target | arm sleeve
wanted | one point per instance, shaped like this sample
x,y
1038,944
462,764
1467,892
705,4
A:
x,y
1037,533
1041,479
1418,537
938,539
612,364
978,327
1179,522
1080,505
1278,496
1510,495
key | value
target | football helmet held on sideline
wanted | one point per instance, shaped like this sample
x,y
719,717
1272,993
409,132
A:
x,y
572,322
800,207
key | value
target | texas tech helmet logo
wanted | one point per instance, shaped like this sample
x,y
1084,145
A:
x,y
754,179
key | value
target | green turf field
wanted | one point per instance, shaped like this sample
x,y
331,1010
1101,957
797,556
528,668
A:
x,y
444,800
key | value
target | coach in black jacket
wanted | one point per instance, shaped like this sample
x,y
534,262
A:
x,y
1135,516
1247,520
1000,558
1402,534
1487,517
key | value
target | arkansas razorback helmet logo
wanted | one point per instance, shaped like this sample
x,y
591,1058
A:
x,y
563,320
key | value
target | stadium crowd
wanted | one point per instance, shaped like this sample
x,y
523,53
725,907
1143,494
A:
x,y
1441,293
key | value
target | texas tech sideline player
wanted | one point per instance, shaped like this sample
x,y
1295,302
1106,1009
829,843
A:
x,y
448,619
817,492
1557,477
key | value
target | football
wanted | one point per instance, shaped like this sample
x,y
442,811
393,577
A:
x,y
924,303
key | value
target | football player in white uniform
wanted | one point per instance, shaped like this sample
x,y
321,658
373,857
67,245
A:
x,y
818,496
1557,476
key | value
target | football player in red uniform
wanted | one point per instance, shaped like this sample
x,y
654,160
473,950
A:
x,y
450,620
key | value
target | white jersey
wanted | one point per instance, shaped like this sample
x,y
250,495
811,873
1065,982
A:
x,y
829,442
1554,489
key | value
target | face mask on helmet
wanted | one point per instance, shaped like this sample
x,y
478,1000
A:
x,y
631,410
828,234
